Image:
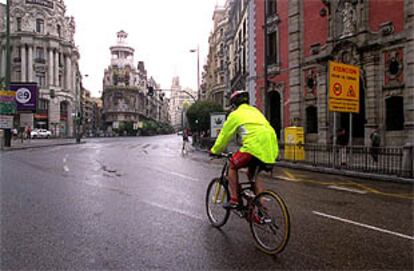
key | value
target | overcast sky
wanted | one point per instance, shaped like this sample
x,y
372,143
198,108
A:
x,y
162,32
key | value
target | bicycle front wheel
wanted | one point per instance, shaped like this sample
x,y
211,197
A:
x,y
217,195
270,222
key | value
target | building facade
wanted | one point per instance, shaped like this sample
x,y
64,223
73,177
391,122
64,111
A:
x,y
129,96
376,36
215,79
179,101
289,45
43,50
91,114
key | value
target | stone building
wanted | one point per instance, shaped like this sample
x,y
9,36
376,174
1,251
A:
x,y
376,36
214,77
290,45
179,101
43,50
129,96
91,114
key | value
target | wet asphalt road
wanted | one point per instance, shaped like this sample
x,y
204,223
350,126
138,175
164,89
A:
x,y
137,203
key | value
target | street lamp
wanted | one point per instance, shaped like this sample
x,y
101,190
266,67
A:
x,y
198,70
8,53
78,93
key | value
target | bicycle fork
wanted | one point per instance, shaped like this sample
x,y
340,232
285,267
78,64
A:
x,y
217,189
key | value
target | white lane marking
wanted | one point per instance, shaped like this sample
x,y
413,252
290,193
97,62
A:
x,y
347,189
363,225
176,174
65,167
172,209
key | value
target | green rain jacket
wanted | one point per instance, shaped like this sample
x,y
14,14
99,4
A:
x,y
258,137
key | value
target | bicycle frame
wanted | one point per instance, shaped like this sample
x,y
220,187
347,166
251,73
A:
x,y
243,186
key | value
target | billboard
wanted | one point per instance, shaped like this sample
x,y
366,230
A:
x,y
7,102
26,96
343,88
216,123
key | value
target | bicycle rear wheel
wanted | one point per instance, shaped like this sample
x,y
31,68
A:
x,y
269,223
217,195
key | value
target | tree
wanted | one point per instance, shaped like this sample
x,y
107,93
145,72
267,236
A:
x,y
198,114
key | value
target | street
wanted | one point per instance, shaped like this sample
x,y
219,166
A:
x,y
136,203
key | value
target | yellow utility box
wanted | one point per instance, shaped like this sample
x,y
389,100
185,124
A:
x,y
294,140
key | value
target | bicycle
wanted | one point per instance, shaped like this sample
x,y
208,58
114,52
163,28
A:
x,y
266,212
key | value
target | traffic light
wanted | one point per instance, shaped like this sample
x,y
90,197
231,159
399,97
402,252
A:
x,y
150,91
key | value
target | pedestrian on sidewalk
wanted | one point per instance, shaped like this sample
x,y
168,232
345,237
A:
x,y
375,144
29,133
342,142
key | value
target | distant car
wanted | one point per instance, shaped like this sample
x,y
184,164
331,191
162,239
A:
x,y
40,133
180,132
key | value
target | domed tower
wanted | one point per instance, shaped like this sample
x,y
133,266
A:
x,y
123,88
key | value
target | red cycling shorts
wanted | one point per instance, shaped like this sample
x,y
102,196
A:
x,y
240,160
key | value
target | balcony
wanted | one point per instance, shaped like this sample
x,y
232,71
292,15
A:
x,y
40,60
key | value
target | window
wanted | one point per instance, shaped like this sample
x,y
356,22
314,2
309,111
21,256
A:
x,y
59,31
272,48
19,23
271,7
40,55
43,105
40,24
63,108
394,113
311,119
41,79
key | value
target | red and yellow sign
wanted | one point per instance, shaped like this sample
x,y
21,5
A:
x,y
343,88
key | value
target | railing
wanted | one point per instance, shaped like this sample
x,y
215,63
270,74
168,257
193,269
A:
x,y
397,161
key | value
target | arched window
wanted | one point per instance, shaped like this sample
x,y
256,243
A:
x,y
394,117
311,119
40,25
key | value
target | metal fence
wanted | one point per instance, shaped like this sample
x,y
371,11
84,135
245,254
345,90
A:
x,y
397,161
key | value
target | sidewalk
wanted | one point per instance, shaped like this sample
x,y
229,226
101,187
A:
x,y
335,171
17,144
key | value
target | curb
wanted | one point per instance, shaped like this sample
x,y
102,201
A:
x,y
349,173
8,149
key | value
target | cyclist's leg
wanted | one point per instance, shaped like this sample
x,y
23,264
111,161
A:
x,y
237,161
233,184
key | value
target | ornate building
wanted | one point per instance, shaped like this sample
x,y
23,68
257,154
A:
x,y
215,80
303,36
180,100
280,51
43,50
129,97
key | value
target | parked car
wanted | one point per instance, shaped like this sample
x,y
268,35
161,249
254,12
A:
x,y
40,133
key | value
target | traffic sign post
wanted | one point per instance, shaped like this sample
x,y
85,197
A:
x,y
343,88
343,92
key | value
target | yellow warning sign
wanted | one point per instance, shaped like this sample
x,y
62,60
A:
x,y
343,87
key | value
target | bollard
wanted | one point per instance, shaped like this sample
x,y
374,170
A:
x,y
2,138
408,161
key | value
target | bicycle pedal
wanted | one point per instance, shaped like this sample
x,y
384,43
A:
x,y
267,220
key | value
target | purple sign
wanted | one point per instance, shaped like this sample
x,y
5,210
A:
x,y
26,96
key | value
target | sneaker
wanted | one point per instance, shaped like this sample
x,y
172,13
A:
x,y
231,205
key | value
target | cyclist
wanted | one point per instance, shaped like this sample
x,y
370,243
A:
x,y
259,142
186,133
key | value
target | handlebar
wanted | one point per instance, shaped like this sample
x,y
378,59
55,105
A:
x,y
222,155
